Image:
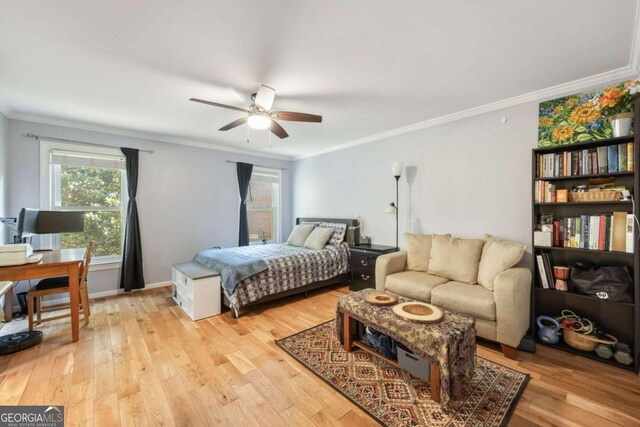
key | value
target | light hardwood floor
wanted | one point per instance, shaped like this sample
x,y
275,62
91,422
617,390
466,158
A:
x,y
143,362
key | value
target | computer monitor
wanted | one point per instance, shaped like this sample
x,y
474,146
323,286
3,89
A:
x,y
27,224
34,221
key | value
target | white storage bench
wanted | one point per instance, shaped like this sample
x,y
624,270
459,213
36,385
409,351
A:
x,y
196,289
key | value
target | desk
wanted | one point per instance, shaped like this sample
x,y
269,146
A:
x,y
64,262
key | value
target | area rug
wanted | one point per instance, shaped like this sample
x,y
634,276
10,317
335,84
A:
x,y
393,397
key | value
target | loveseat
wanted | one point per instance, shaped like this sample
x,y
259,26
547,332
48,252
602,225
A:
x,y
476,277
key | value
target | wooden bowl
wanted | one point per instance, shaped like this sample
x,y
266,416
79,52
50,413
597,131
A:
x,y
381,298
418,312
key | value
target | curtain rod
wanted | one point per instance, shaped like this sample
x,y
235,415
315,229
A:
x,y
261,166
38,137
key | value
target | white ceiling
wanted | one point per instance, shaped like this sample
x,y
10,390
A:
x,y
366,66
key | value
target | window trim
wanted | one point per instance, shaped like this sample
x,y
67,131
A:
x,y
278,234
46,193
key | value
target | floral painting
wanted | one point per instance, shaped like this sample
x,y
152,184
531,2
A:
x,y
583,117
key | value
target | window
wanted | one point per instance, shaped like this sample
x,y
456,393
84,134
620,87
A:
x,y
263,205
92,181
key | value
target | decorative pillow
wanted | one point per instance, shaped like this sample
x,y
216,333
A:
x,y
497,256
418,251
339,231
300,234
318,238
454,258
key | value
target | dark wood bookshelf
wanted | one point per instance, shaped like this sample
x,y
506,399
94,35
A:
x,y
559,248
579,177
607,202
571,294
584,145
588,354
620,319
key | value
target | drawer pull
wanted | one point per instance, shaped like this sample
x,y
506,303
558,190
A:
x,y
364,262
365,277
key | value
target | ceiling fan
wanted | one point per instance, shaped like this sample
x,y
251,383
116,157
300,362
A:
x,y
260,115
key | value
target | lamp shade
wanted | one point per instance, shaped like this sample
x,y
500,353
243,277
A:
x,y
391,209
397,167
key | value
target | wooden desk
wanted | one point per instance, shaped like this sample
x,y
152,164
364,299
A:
x,y
65,262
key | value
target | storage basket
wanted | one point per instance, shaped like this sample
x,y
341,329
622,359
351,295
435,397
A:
x,y
585,342
594,196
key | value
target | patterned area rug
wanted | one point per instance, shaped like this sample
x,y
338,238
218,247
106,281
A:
x,y
393,397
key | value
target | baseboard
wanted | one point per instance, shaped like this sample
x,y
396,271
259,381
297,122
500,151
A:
x,y
65,299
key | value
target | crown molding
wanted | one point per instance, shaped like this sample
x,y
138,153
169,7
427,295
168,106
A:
x,y
620,74
72,124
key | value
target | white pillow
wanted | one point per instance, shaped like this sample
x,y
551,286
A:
x,y
339,230
318,238
300,234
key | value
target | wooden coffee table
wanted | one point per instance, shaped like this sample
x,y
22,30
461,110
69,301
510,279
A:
x,y
449,344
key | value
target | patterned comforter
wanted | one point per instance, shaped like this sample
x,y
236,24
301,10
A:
x,y
289,267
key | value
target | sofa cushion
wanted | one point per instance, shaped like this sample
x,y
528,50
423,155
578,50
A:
x,y
455,258
497,256
467,299
413,284
418,251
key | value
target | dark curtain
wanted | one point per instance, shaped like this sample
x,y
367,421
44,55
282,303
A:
x,y
131,274
244,177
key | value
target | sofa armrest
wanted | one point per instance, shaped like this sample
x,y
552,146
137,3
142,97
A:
x,y
512,289
388,264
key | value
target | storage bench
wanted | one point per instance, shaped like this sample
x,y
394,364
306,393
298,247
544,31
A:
x,y
196,289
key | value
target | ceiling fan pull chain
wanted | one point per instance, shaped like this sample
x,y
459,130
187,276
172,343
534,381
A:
x,y
269,138
248,134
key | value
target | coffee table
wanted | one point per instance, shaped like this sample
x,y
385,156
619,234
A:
x,y
450,344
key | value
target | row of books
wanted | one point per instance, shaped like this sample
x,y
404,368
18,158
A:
x,y
596,232
545,268
594,161
545,192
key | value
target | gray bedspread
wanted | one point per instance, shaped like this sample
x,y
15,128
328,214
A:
x,y
233,264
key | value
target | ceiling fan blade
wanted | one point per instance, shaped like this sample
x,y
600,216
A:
x,y
234,123
215,104
296,117
264,97
278,130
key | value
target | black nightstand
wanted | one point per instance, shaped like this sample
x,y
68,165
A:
x,y
363,264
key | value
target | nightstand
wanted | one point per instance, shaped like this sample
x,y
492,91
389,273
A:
x,y
363,264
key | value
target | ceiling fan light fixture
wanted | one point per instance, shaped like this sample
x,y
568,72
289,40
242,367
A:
x,y
259,121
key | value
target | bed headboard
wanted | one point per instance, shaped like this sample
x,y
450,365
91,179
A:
x,y
351,222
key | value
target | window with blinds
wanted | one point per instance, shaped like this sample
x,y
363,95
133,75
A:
x,y
263,206
94,183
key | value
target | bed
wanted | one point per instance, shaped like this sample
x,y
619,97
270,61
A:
x,y
279,270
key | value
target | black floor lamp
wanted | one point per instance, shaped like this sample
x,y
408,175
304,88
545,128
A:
x,y
396,168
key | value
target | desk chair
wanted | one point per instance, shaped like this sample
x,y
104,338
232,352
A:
x,y
60,285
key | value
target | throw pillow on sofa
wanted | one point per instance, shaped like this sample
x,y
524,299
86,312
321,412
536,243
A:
x,y
454,258
418,251
497,256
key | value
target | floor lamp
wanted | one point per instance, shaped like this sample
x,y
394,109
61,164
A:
x,y
396,168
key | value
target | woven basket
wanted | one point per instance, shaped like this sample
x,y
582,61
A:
x,y
594,196
585,342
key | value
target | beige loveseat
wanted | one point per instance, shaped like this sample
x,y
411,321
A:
x,y
470,276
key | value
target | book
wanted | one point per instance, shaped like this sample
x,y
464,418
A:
x,y
622,157
594,232
574,163
548,267
618,232
542,273
630,228
602,165
630,162
607,233
612,158
585,232
601,233
595,163
556,233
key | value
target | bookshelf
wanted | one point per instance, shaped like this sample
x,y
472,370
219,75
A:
x,y
621,319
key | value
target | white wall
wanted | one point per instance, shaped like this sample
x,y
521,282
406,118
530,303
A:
x,y
467,177
4,182
187,196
